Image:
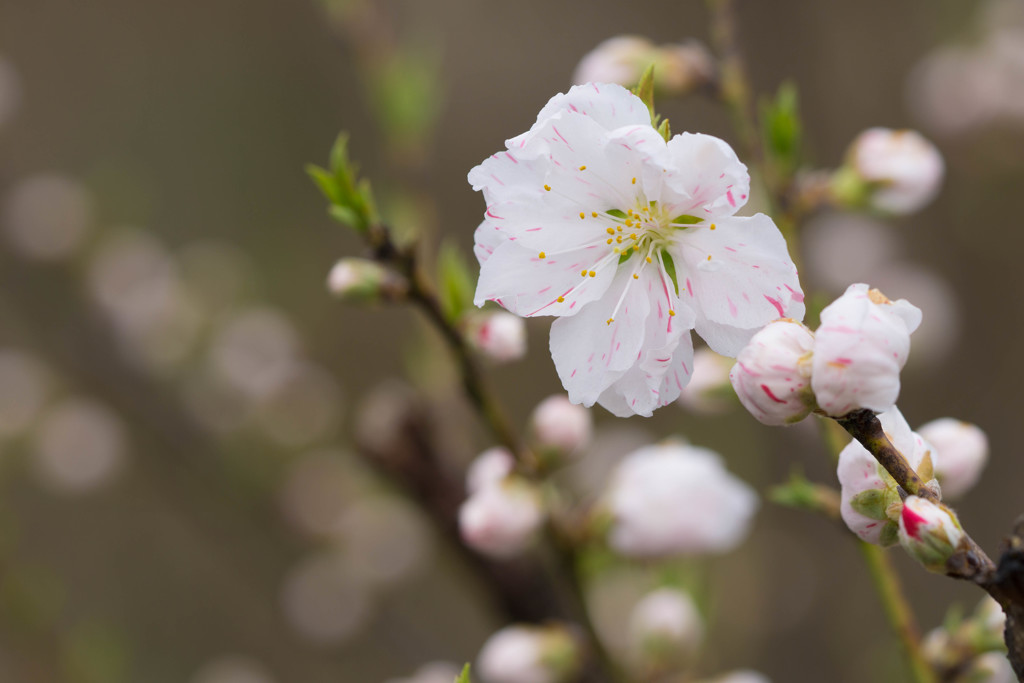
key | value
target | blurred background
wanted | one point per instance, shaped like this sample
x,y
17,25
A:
x,y
181,399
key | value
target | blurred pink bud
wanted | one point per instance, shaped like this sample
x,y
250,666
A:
x,y
489,468
709,391
859,350
678,68
870,500
991,667
357,279
772,375
561,426
665,622
961,451
432,672
674,499
528,654
744,676
929,532
499,336
500,520
902,170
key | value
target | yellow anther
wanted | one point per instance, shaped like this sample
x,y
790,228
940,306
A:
x,y
633,181
617,250
713,226
630,212
619,239
632,235
560,299
542,255
610,240
619,228
593,214
610,321
582,215
648,259
709,257
610,231
547,188
583,168
583,272
671,312
629,224
635,276
592,274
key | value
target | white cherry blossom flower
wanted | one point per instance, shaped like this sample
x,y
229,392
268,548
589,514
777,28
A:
x,y
631,242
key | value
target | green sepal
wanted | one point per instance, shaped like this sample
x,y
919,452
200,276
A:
x,y
464,676
645,91
616,213
456,282
670,268
782,129
889,535
871,503
926,470
687,219
665,130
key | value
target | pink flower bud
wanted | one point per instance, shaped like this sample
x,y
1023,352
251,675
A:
x,y
500,336
678,68
500,519
870,500
528,654
674,499
709,391
961,451
930,532
991,667
859,350
561,426
665,628
361,280
903,170
489,468
772,375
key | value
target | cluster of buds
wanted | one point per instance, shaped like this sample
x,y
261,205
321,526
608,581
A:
x,y
891,171
853,361
973,644
529,654
501,516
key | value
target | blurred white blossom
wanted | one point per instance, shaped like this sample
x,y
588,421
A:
x,y
323,600
46,217
900,170
527,654
489,468
561,426
500,336
673,499
678,68
254,350
961,451
79,445
665,625
232,669
501,519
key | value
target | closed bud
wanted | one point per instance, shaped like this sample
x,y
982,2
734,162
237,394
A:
x,y
894,171
870,501
489,468
501,519
772,375
991,667
560,426
529,654
665,630
930,532
961,451
709,391
499,336
678,68
859,349
676,499
357,279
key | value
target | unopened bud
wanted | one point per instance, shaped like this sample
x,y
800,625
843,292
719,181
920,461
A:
x,y
772,375
561,426
991,667
489,468
895,171
961,451
529,654
859,349
709,391
678,68
665,629
500,336
674,499
930,532
500,520
358,279
870,497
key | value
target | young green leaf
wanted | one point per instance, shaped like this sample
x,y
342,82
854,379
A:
x,y
464,676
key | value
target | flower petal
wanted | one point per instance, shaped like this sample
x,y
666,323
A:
x,y
706,176
609,105
738,277
525,284
589,353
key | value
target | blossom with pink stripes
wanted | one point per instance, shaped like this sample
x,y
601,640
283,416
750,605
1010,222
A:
x,y
631,242
859,349
772,374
